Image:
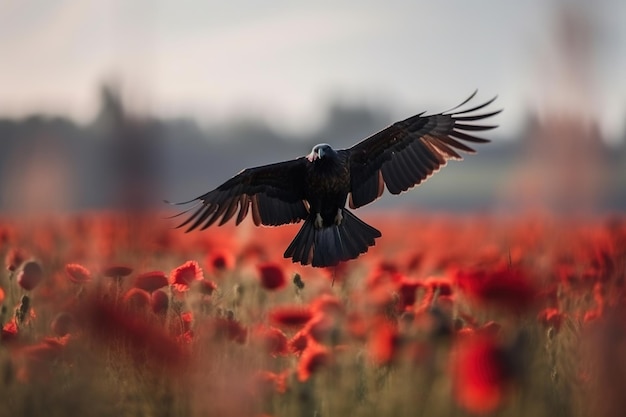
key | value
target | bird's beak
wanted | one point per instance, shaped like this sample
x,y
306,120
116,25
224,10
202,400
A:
x,y
312,156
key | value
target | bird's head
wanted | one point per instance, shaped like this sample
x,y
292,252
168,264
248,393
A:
x,y
320,151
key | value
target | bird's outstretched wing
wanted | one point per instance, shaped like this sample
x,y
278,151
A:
x,y
272,193
408,152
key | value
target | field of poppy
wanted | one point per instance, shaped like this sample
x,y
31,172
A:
x,y
110,314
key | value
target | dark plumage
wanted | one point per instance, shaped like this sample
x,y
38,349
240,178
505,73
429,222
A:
x,y
314,188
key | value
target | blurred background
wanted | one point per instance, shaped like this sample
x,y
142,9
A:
x,y
115,104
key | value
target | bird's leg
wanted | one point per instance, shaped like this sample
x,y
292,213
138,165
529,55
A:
x,y
338,217
319,222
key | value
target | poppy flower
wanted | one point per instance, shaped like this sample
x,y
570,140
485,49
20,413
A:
x,y
147,343
266,383
2,296
327,304
137,299
182,277
77,273
117,271
272,276
30,276
384,342
383,275
229,329
313,358
322,328
592,315
357,325
290,316
37,358
220,261
551,317
271,339
159,302
509,289
408,291
14,259
9,331
440,285
205,286
481,374
62,324
46,350
151,281
299,342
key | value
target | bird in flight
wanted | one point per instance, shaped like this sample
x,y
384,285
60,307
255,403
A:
x,y
316,187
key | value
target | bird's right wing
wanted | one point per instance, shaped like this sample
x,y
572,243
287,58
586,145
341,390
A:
x,y
272,193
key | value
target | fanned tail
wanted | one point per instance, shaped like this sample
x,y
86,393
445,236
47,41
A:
x,y
330,245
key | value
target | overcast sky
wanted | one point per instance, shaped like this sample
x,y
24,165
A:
x,y
283,61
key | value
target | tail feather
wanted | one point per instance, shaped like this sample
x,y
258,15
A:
x,y
299,249
330,245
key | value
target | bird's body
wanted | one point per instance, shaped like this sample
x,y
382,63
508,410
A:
x,y
330,233
316,187
327,183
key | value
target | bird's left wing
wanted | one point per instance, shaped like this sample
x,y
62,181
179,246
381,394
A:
x,y
408,152
272,193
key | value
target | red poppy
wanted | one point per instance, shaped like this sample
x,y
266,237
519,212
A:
x,y
299,342
491,328
322,328
77,273
185,331
137,299
327,304
599,296
2,296
205,286
312,360
37,358
408,291
272,276
384,342
46,350
9,331
357,325
440,285
220,261
30,276
229,329
551,317
182,277
266,383
147,343
62,324
14,259
159,302
509,289
151,281
117,271
271,339
481,374
291,316
592,315
383,275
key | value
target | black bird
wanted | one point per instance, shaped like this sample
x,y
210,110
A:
x,y
314,188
